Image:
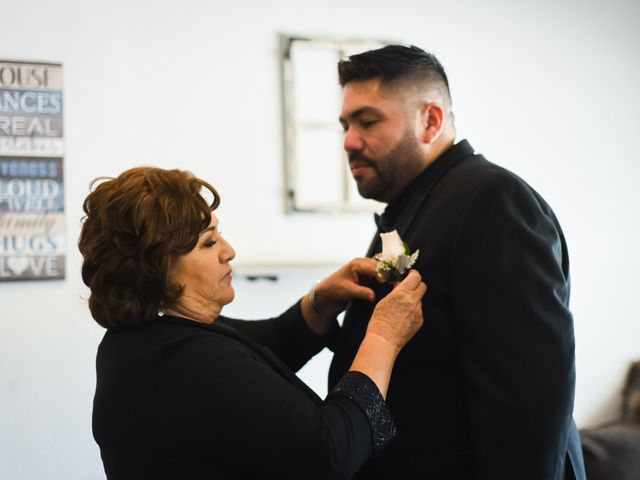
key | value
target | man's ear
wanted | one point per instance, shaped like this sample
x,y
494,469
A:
x,y
432,122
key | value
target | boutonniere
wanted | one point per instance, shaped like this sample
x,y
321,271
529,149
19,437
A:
x,y
396,259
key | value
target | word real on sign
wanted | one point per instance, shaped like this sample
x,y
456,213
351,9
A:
x,y
32,227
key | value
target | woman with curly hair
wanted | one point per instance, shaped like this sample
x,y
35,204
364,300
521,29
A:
x,y
185,393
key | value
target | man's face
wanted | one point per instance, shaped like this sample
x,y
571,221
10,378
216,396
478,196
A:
x,y
380,140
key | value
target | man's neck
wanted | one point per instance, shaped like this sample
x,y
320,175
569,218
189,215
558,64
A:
x,y
441,145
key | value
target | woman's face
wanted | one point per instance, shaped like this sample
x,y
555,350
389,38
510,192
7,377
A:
x,y
205,275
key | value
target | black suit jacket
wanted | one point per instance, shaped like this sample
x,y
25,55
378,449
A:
x,y
485,390
178,399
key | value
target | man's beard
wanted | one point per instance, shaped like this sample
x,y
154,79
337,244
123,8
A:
x,y
391,170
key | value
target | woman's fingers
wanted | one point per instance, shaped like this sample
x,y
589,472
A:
x,y
412,281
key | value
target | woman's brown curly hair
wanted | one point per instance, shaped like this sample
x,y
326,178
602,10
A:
x,y
135,225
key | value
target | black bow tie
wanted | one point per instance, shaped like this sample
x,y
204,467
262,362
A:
x,y
383,222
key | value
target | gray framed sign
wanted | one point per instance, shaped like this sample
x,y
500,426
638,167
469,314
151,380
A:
x,y
32,227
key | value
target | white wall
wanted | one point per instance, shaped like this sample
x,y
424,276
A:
x,y
548,89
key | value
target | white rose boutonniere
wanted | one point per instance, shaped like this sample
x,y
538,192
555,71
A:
x,y
396,259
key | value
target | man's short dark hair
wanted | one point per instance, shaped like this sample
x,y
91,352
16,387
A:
x,y
391,64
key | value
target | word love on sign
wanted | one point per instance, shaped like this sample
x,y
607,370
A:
x,y
18,268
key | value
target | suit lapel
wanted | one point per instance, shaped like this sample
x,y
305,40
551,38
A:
x,y
375,245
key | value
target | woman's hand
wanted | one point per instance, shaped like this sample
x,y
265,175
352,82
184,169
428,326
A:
x,y
398,316
333,293
395,320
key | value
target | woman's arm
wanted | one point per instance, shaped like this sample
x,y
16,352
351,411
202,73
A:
x,y
245,414
305,329
288,336
395,320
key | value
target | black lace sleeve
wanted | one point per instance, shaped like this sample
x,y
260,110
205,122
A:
x,y
359,388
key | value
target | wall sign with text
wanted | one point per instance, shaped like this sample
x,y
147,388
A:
x,y
32,228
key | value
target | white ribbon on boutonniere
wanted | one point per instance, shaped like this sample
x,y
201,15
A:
x,y
396,258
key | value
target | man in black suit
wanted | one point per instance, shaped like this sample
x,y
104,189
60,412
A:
x,y
486,389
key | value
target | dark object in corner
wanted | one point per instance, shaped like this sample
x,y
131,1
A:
x,y
631,394
612,450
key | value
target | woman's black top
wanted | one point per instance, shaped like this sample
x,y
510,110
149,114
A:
x,y
178,399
